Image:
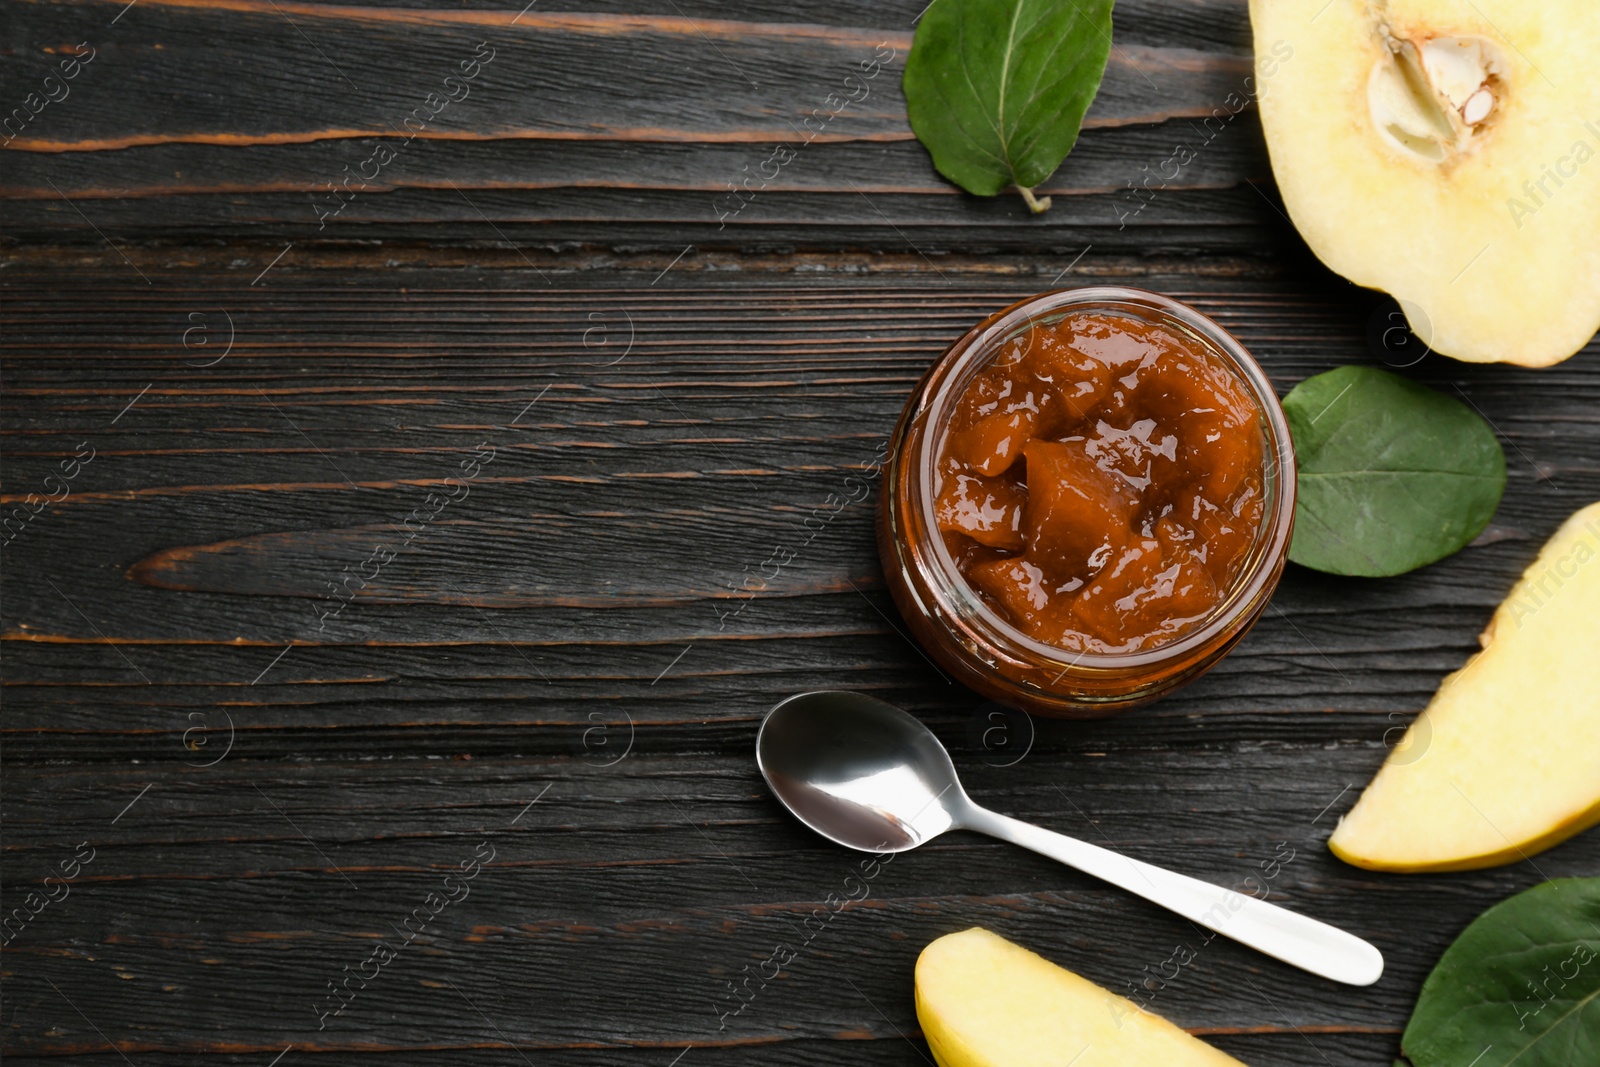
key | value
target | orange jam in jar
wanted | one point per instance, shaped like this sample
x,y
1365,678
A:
x,y
1089,501
1101,482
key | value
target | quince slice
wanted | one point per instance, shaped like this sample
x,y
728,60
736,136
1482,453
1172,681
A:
x,y
1505,761
985,1002
1448,153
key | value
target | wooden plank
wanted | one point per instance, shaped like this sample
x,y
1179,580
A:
x,y
1104,161
165,132
1223,222
542,193
688,80
616,871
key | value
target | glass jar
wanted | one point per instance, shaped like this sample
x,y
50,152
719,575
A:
x,y
971,640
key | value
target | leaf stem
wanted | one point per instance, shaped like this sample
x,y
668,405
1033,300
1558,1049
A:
x,y
1035,204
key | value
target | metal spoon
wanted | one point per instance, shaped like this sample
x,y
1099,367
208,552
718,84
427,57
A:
x,y
866,774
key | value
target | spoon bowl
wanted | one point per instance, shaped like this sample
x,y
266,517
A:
x,y
858,771
865,774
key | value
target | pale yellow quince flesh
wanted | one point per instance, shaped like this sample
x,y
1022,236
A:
x,y
1505,761
1448,153
985,1002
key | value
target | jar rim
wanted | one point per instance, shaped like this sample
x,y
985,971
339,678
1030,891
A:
x,y
975,348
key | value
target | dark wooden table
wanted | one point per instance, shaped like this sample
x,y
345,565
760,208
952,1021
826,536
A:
x,y
422,527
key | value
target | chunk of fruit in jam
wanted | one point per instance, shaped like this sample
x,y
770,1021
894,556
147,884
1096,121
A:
x,y
988,510
995,420
1073,381
1026,595
1217,537
1076,511
1114,606
991,445
1140,495
1140,455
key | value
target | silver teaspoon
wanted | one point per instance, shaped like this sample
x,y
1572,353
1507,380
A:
x,y
866,774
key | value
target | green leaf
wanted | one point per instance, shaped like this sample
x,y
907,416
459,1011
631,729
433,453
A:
x,y
1392,475
996,89
1519,988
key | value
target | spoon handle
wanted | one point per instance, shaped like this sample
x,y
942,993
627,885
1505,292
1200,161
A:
x,y
1293,938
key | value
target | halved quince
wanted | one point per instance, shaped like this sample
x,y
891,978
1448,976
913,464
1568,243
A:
x,y
1448,153
1505,761
985,1002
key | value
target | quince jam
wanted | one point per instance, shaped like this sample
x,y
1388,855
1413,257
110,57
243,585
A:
x,y
1101,483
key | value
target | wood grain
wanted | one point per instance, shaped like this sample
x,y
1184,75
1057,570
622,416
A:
x,y
311,782
172,128
544,52
275,763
